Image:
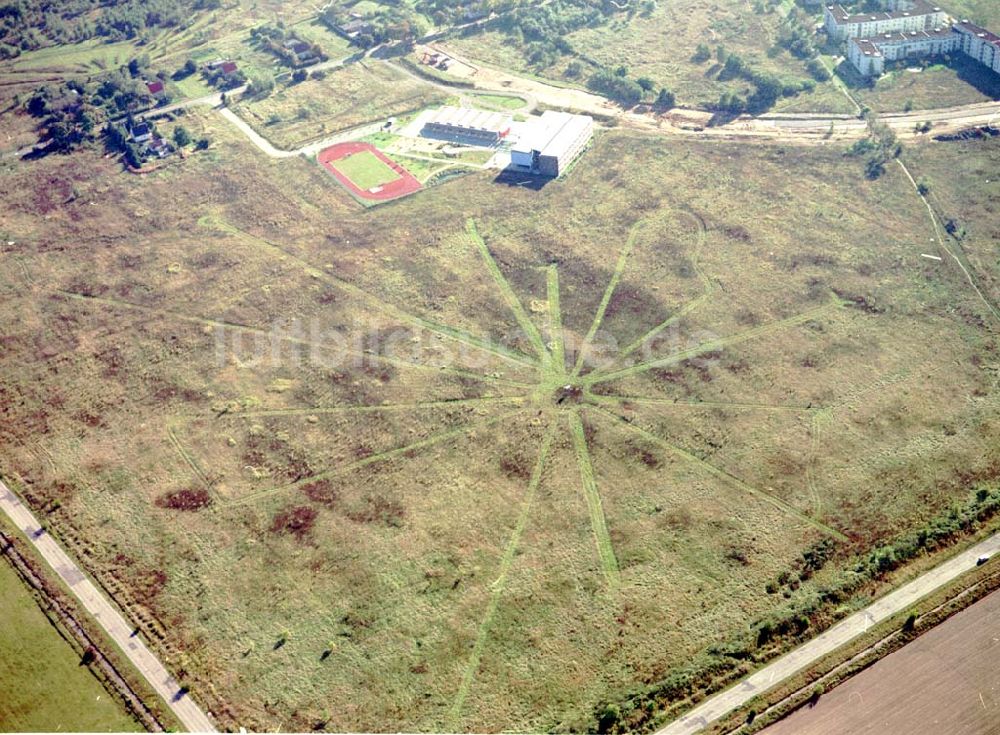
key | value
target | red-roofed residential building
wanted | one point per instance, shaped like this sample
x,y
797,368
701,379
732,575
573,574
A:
x,y
155,88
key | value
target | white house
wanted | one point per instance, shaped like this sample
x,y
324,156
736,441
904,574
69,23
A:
x,y
552,142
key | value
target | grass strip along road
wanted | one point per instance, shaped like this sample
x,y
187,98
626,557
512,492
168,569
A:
x,y
147,664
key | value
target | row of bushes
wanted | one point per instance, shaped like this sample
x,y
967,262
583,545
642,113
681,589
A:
x,y
725,662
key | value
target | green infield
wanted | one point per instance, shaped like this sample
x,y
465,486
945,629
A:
x,y
365,170
43,687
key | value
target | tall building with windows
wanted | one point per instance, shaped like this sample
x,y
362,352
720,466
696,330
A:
x,y
903,16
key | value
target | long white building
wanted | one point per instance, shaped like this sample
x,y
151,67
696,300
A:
x,y
870,54
903,16
979,43
909,29
552,142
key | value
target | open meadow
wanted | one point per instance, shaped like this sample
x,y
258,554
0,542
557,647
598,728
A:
x,y
345,98
489,457
43,686
662,45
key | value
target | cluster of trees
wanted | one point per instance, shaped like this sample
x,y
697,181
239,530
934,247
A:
x,y
879,148
272,38
768,88
796,36
70,112
393,23
117,140
30,24
618,86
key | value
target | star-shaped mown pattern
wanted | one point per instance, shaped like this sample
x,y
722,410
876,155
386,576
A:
x,y
567,387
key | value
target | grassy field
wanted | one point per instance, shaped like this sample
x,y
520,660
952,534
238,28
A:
x,y
347,97
328,453
964,189
43,687
499,102
365,169
962,83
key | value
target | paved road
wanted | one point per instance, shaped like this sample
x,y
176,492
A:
x,y
109,618
843,632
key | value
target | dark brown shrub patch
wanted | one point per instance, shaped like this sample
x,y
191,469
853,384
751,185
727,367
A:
x,y
298,521
189,499
321,491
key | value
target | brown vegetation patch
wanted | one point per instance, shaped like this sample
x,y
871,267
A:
x,y
321,491
188,499
297,521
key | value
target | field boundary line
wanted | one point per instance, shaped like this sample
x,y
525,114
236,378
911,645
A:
x,y
725,476
941,241
598,521
615,398
833,638
112,621
458,335
69,626
499,585
602,307
289,338
706,293
198,473
556,335
513,302
388,454
457,403
715,344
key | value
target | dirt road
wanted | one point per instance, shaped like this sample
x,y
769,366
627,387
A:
x,y
190,715
808,128
830,640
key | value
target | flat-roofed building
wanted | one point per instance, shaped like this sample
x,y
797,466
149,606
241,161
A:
x,y
903,16
870,54
467,125
979,43
552,142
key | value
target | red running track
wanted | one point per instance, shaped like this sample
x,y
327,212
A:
x,y
405,184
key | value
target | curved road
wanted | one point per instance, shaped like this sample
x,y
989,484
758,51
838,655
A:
x,y
830,640
147,664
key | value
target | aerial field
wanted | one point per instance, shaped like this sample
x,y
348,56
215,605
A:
x,y
348,96
945,681
365,169
367,172
661,46
487,458
43,687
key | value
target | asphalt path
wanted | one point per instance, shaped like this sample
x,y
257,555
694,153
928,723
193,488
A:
x,y
121,632
830,640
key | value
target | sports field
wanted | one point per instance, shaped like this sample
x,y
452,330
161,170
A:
x,y
43,687
368,173
365,170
